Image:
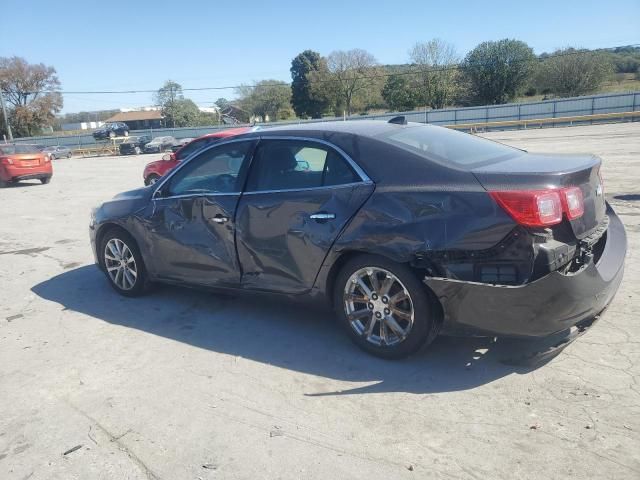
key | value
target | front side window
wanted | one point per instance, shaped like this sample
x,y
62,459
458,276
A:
x,y
193,147
213,171
297,164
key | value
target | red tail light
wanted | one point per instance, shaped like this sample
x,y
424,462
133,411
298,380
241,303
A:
x,y
534,208
573,203
541,208
6,161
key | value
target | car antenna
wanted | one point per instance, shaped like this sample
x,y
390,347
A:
x,y
399,120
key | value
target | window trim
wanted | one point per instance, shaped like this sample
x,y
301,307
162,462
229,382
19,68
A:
x,y
364,178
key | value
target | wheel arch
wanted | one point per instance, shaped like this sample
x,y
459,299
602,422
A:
x,y
419,270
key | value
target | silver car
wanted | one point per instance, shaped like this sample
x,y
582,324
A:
x,y
58,152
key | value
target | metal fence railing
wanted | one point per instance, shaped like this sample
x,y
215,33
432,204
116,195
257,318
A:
x,y
556,108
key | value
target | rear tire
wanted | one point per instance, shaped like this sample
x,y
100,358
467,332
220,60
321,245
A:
x,y
45,180
3,183
383,306
122,263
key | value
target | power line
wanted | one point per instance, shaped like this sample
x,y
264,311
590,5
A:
x,y
379,75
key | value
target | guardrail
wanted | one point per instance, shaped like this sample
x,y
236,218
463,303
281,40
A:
x,y
510,115
539,122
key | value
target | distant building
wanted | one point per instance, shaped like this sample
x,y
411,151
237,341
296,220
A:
x,y
81,126
139,120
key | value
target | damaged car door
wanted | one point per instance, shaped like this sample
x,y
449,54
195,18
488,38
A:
x,y
192,223
299,196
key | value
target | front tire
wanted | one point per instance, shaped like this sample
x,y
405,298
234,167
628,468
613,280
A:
x,y
383,306
45,180
123,264
151,179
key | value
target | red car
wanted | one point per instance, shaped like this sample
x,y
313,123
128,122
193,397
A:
x,y
154,170
23,162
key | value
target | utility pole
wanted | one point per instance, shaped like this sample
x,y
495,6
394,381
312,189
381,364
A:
x,y
4,115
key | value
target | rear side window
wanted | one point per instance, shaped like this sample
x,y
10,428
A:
x,y
295,165
449,146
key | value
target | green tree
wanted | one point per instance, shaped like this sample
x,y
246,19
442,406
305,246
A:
x,y
29,91
167,97
184,113
267,98
304,102
436,75
497,72
571,72
222,103
399,93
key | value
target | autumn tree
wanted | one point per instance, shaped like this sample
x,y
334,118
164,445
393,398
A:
x,y
352,79
31,93
435,63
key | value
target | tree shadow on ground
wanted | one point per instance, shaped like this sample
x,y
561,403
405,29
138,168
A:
x,y
280,333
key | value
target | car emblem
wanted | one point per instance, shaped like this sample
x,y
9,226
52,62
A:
x,y
599,190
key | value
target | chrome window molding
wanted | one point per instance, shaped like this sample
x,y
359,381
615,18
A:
x,y
197,195
322,187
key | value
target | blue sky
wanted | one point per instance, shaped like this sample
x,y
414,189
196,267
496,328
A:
x,y
115,45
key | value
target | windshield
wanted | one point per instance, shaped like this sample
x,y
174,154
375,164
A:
x,y
449,146
11,149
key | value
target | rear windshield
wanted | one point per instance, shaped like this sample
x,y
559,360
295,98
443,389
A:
x,y
449,146
11,149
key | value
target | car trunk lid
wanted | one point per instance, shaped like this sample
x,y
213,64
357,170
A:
x,y
27,160
551,171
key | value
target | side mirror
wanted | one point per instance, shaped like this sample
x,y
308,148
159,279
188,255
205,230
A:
x,y
167,157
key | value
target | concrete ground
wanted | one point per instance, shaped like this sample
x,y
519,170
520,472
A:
x,y
186,385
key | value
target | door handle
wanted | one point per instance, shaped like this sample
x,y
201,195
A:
x,y
322,216
219,219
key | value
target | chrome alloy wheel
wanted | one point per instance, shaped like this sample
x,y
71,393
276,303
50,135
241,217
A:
x,y
378,306
120,264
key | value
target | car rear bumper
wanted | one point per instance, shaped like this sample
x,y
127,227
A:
x,y
12,173
551,304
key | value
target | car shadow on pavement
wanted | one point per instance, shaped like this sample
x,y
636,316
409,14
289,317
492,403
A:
x,y
280,333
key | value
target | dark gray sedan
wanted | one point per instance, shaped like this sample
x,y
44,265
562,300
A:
x,y
406,230
160,144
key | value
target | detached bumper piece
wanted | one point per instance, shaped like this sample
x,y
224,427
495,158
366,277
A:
x,y
553,304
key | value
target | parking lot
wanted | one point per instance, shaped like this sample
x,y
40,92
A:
x,y
182,384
